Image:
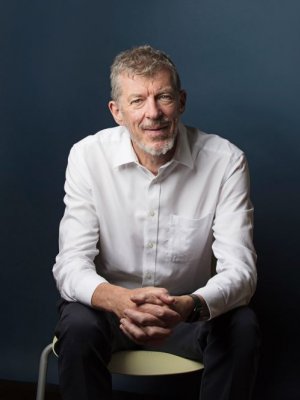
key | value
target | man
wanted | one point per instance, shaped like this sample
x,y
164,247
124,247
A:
x,y
149,205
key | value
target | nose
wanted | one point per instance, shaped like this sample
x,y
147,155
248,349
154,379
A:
x,y
152,110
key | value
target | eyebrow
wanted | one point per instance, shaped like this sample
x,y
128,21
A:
x,y
163,90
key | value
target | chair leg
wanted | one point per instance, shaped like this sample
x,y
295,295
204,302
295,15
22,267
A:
x,y
41,385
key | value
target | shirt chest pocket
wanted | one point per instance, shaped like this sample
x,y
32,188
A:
x,y
189,238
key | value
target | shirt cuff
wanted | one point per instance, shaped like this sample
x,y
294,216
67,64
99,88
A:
x,y
86,288
214,302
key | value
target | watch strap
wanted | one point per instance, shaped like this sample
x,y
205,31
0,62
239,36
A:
x,y
196,312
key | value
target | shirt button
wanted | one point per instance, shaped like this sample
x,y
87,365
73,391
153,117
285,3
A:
x,y
150,245
151,213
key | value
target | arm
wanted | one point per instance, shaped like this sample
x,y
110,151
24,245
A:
x,y
74,270
235,280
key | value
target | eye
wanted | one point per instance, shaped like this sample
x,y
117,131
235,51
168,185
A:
x,y
136,101
166,97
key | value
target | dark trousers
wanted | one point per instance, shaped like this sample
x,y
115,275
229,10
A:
x,y
228,346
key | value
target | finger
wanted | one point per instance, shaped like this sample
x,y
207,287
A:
x,y
148,295
167,299
135,333
123,329
156,332
143,318
142,298
165,314
143,335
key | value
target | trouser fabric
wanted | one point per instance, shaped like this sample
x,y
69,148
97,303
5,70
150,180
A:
x,y
228,346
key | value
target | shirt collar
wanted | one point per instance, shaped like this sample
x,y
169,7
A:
x,y
183,154
126,155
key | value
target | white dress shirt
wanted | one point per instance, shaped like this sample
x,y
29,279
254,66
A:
x,y
126,226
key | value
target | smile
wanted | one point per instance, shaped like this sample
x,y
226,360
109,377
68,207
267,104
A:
x,y
154,128
157,133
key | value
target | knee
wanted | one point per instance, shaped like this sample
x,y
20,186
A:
x,y
244,331
81,327
237,331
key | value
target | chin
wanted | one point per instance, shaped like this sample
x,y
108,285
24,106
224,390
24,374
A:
x,y
158,151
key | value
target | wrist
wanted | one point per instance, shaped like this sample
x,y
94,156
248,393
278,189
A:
x,y
111,298
183,305
200,311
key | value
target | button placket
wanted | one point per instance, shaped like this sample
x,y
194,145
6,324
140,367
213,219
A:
x,y
150,238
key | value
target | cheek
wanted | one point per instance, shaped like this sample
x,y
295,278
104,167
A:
x,y
135,118
174,118
129,123
173,113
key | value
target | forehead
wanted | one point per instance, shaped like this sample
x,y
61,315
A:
x,y
160,80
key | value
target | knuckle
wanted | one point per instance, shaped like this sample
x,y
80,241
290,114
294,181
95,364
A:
x,y
160,312
140,336
150,331
144,320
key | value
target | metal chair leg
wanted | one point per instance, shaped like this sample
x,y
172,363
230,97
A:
x,y
41,385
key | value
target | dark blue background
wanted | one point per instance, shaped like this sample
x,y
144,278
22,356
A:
x,y
239,62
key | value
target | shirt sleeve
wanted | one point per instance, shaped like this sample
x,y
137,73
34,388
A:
x,y
235,280
74,270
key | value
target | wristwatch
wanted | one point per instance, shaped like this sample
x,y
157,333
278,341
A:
x,y
196,312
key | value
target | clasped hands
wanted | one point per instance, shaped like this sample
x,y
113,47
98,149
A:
x,y
152,315
147,315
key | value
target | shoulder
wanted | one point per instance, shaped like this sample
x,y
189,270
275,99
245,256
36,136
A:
x,y
104,141
212,143
103,137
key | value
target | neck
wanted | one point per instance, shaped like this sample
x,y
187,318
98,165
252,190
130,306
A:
x,y
153,163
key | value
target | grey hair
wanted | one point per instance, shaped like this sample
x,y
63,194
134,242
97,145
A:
x,y
142,60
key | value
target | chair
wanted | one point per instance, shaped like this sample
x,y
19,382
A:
x,y
131,362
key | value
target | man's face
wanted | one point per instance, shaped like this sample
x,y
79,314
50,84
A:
x,y
150,108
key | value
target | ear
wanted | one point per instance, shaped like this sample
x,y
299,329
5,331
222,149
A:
x,y
116,112
182,101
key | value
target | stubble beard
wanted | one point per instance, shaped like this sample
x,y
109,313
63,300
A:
x,y
157,152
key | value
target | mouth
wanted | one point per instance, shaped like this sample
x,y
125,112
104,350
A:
x,y
155,127
156,130
157,134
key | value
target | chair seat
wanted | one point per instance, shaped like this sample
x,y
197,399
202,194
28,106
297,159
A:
x,y
131,362
147,363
